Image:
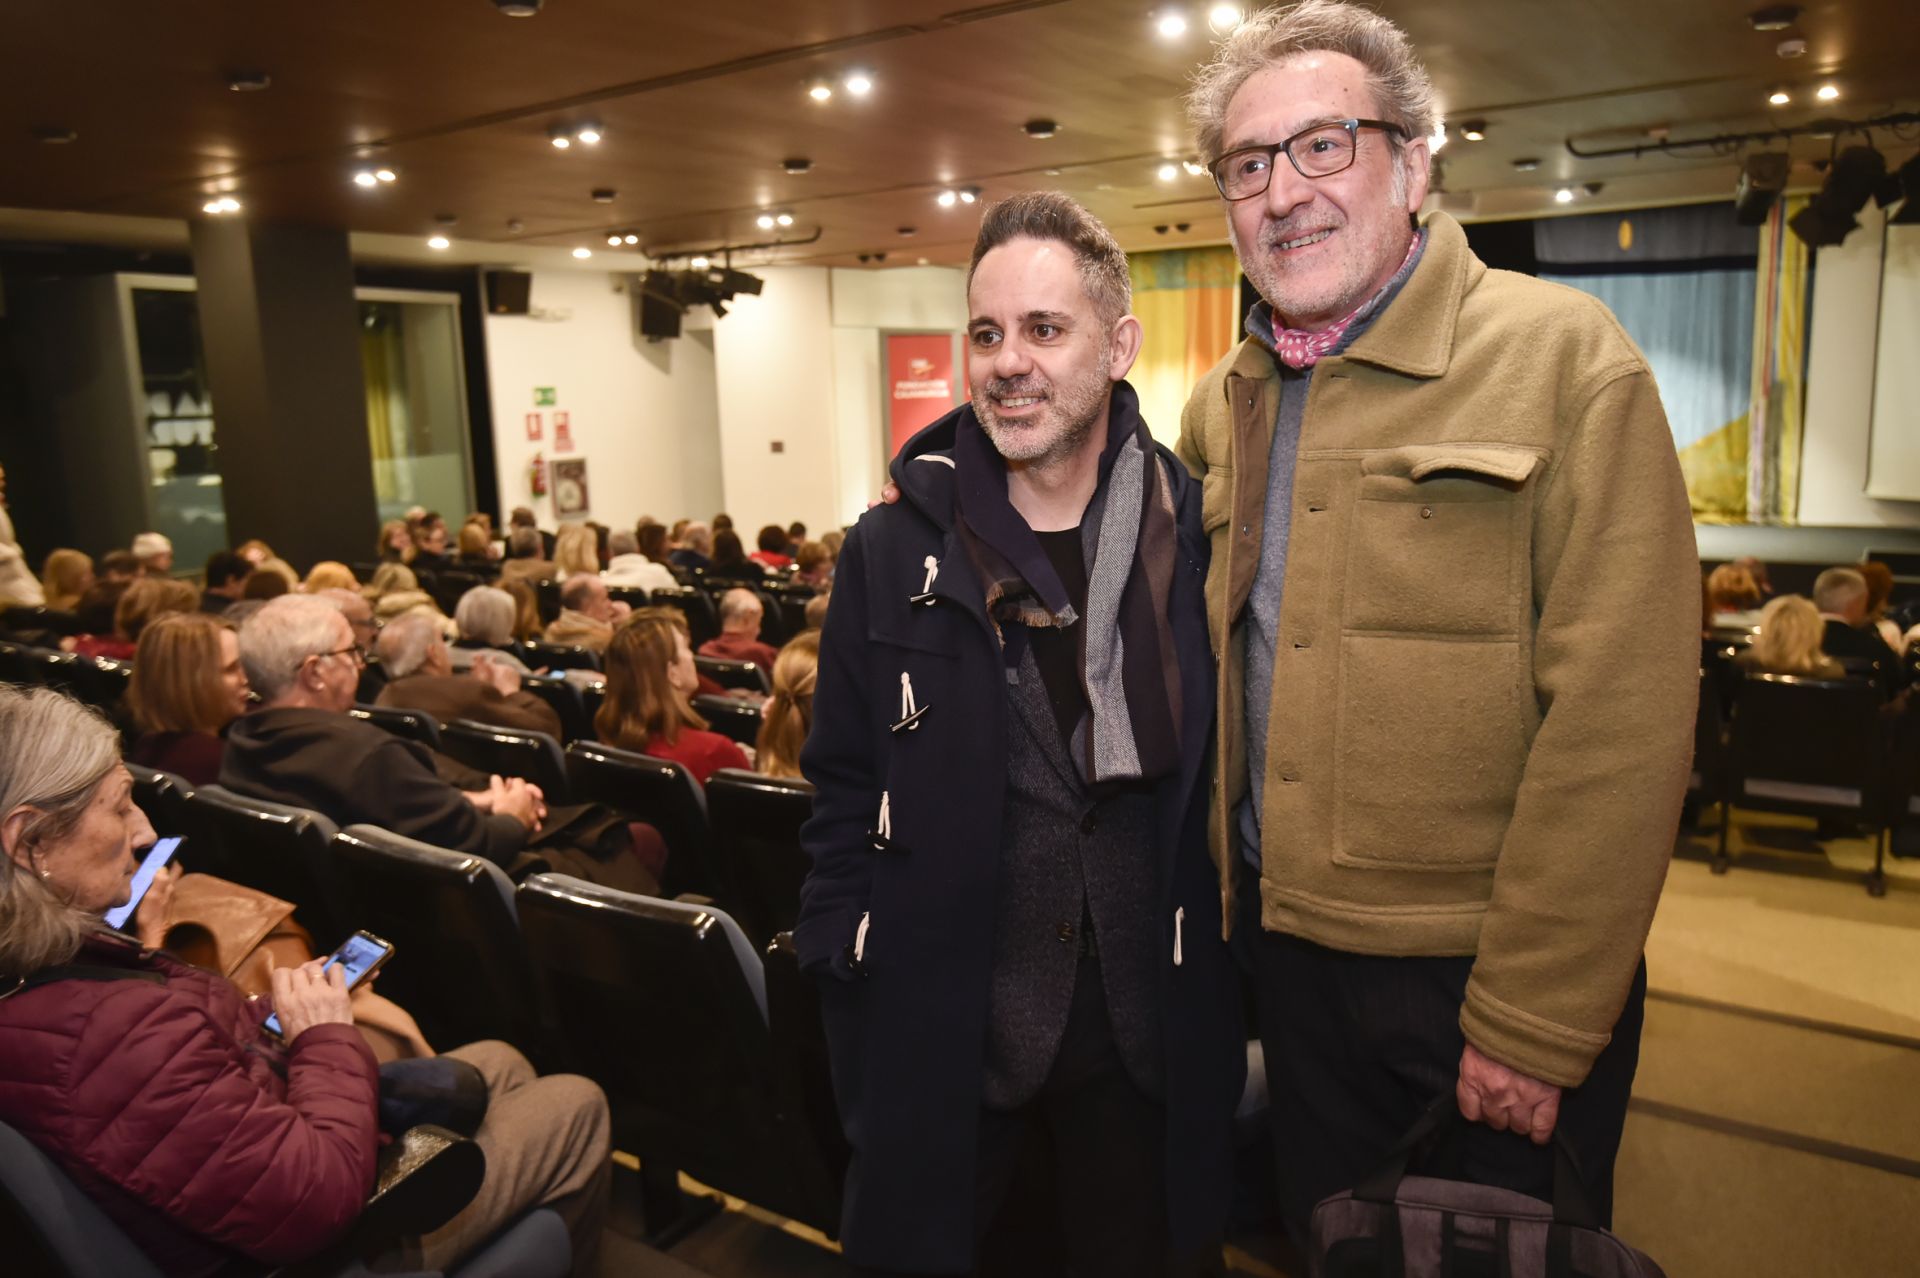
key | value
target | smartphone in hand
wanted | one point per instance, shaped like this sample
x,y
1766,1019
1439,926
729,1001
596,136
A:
x,y
155,860
360,956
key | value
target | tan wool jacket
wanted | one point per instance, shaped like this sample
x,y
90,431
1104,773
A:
x,y
1484,684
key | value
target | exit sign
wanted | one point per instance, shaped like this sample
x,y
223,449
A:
x,y
545,397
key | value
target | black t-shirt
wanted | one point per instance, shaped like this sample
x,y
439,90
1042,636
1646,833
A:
x,y
1056,650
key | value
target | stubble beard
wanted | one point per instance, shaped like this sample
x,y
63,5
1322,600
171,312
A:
x,y
1355,281
1062,428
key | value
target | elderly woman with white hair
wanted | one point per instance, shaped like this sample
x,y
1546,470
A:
x,y
485,617
153,1084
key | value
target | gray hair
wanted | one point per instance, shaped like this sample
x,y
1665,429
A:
x,y
739,603
578,589
1049,215
276,641
1835,588
1400,84
405,642
54,755
622,542
485,615
524,542
697,537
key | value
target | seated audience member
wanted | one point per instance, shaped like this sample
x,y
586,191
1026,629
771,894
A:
x,y
329,574
650,678
796,538
188,685
94,612
255,551
1757,569
676,534
576,551
730,562
1789,641
1879,579
420,676
117,566
17,582
772,551
1733,598
696,548
263,585
522,517
741,613
814,566
390,578
280,568
396,543
1841,595
215,1147
226,581
475,550
430,544
652,540
788,715
817,610
366,629
833,539
526,609
588,613
485,619
155,553
302,747
722,522
64,577
626,566
525,562
142,603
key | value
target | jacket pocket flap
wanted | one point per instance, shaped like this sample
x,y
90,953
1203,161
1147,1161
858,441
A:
x,y
1509,463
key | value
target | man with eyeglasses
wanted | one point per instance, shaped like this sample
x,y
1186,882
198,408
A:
x,y
1454,594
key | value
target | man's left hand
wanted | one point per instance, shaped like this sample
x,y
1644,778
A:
x,y
1505,1099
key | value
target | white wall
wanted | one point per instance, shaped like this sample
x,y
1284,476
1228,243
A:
x,y
1840,377
645,415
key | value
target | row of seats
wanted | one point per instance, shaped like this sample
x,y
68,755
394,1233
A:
x,y
709,1050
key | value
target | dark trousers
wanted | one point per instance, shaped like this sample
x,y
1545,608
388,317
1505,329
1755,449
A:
x,y
1074,1181
1359,1046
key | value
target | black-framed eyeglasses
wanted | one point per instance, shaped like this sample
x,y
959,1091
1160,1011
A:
x,y
359,654
1320,150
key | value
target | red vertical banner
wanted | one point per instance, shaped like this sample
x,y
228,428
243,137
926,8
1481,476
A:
x,y
920,383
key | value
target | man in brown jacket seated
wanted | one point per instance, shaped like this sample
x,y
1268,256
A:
x,y
588,614
420,676
739,638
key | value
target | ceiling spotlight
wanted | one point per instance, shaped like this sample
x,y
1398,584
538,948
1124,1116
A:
x,y
1827,92
603,194
783,218
1168,172
385,175
1563,196
1438,138
1223,18
764,221
820,91
1526,165
248,81
796,165
583,253
1040,128
1791,47
1779,97
613,241
629,238
1194,168
221,204
1474,130
968,194
1593,188
700,263
558,136
859,83
588,135
909,230
54,134
947,199
1775,17
439,242
517,8
365,177
1171,24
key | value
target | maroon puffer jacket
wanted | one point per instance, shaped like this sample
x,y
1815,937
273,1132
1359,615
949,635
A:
x,y
166,1104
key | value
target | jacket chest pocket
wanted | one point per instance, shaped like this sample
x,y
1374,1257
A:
x,y
1438,540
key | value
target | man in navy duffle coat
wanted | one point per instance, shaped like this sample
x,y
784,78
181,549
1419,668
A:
x,y
1011,914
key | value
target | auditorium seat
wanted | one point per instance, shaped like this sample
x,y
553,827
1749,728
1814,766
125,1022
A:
x,y
1809,747
664,795
450,584
458,963
163,797
273,848
37,619
665,1005
747,676
548,594
510,753
1707,781
409,725
703,619
731,717
560,656
756,824
635,597
564,696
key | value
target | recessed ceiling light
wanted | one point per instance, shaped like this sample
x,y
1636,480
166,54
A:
x,y
764,221
1792,46
700,263
1053,172
54,134
1193,167
589,134
385,175
583,253
517,8
1040,128
968,194
439,242
1526,165
1438,138
795,165
1779,97
1827,92
1776,17
947,199
248,81
909,230
365,177
220,205
629,238
1168,172
1474,130
1224,18
923,261
1170,23
784,218
820,91
604,194
1563,196
559,138
859,83
446,219
613,241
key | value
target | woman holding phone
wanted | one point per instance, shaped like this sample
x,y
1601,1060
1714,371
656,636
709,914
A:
x,y
152,1083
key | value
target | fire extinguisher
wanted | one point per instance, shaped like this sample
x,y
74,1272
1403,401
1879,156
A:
x,y
537,475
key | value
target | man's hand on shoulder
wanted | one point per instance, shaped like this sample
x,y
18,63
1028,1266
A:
x,y
888,495
1505,1099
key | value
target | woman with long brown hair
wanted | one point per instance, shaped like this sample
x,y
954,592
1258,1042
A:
x,y
188,685
788,714
650,679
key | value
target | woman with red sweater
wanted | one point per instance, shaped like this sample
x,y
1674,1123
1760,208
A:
x,y
650,676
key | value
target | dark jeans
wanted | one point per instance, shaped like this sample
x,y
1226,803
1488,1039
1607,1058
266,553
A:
x,y
1075,1179
1359,1046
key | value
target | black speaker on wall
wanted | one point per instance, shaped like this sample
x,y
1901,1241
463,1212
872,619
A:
x,y
508,292
657,307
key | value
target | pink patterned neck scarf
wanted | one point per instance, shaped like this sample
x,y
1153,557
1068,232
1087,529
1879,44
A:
x,y
1301,348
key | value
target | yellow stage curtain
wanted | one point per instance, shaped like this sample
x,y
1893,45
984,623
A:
x,y
1185,299
1779,361
377,364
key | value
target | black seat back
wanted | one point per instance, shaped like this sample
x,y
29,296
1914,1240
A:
x,y
756,824
458,961
703,619
450,584
408,725
664,795
731,717
163,797
1708,779
664,1005
280,850
564,696
1808,746
631,596
548,594
39,620
561,656
510,752
51,1229
748,676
